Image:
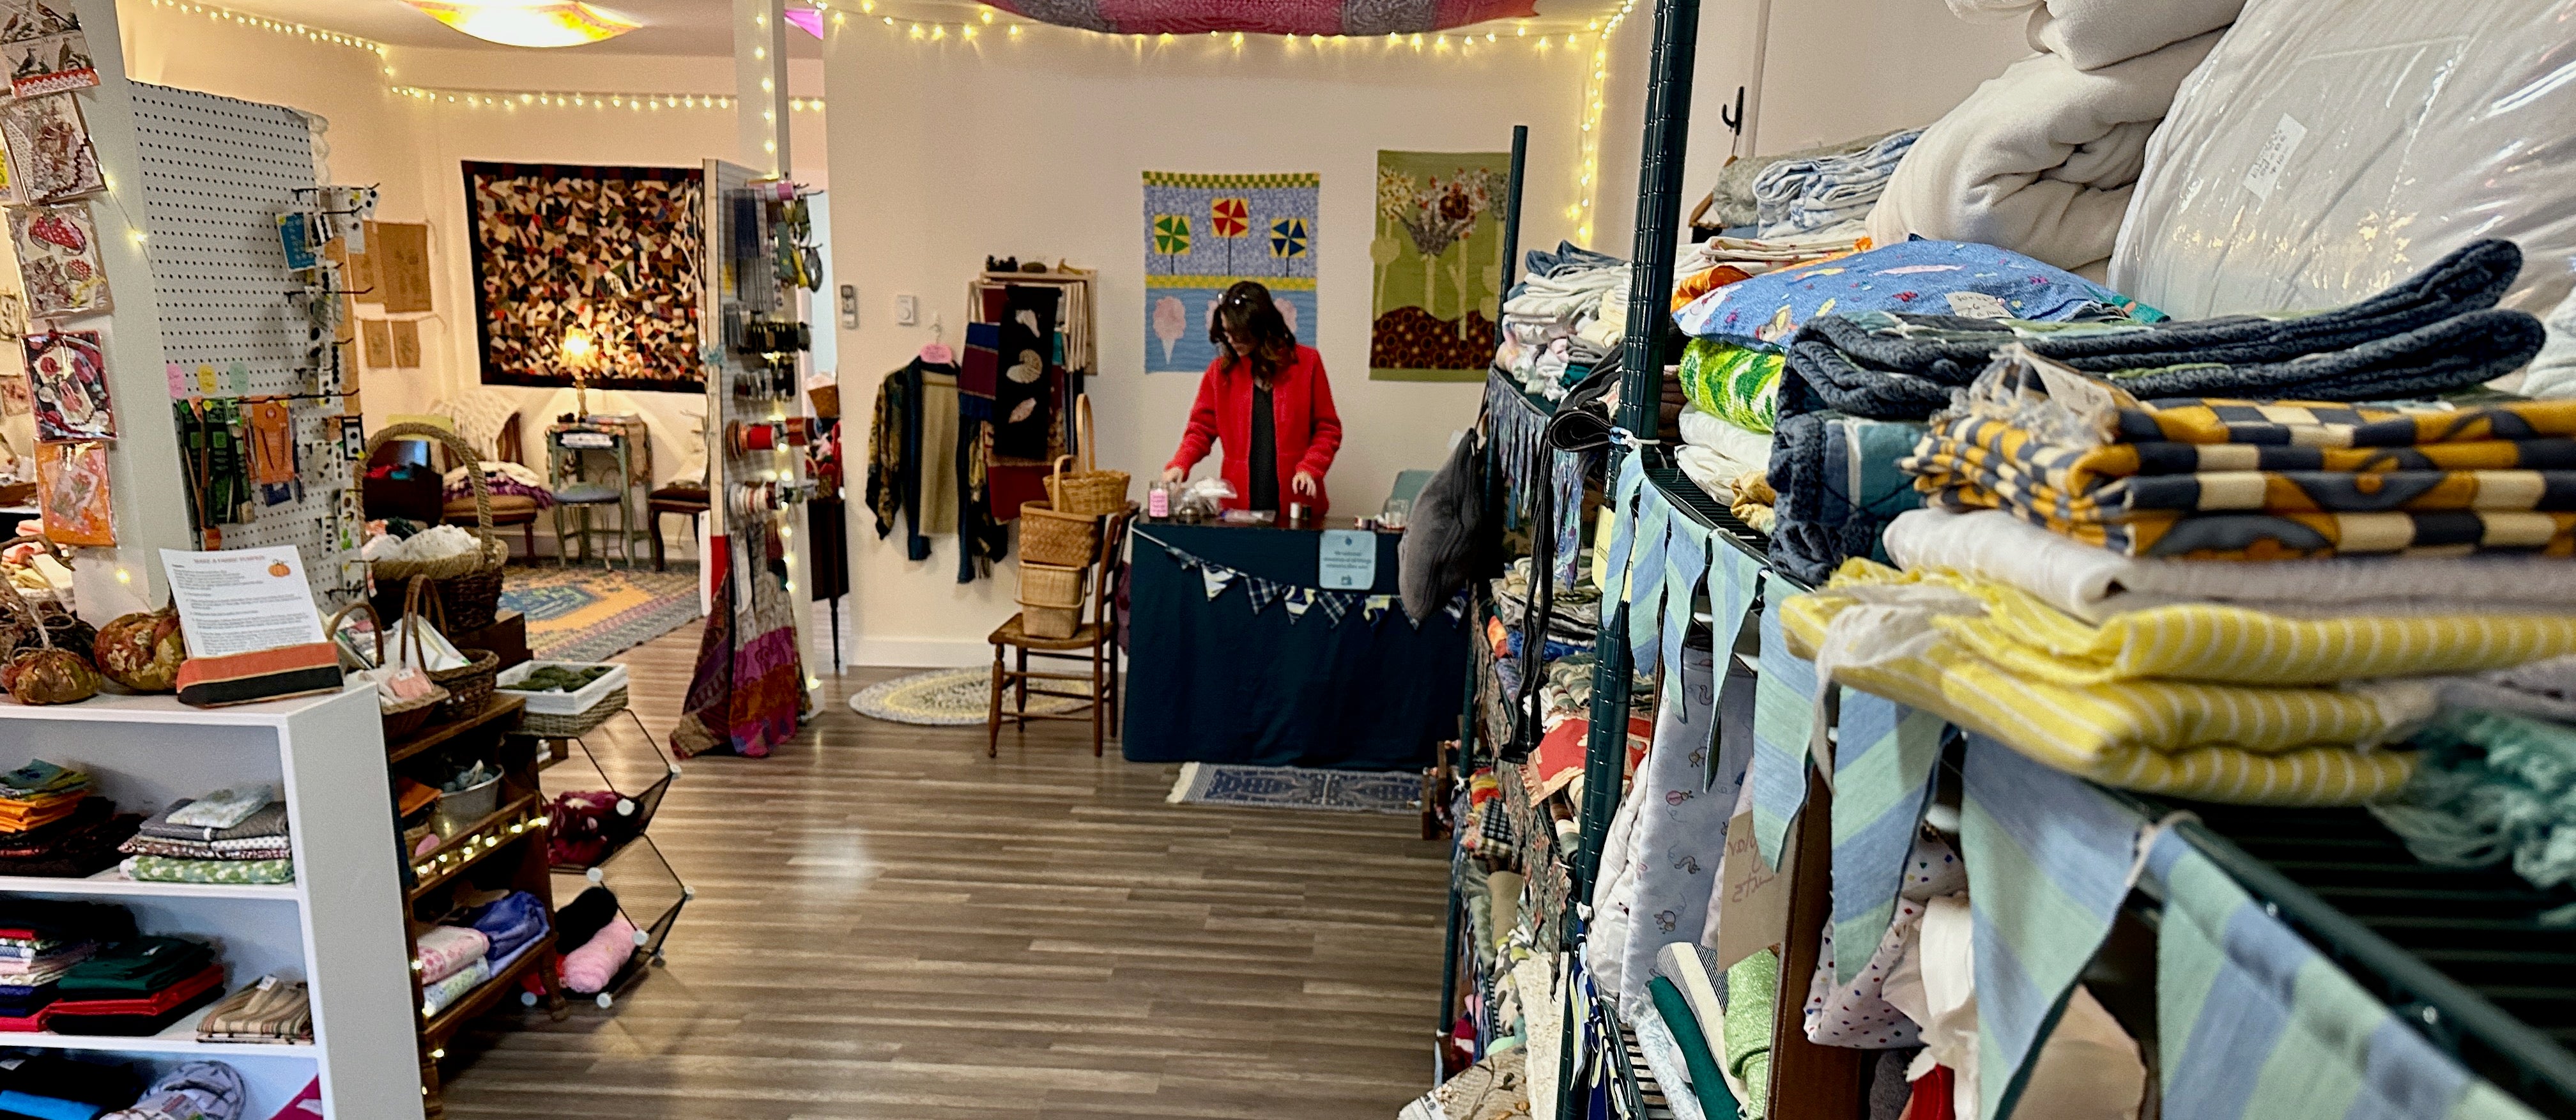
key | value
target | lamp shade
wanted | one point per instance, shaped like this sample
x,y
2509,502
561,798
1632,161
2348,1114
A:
x,y
529,23
1277,17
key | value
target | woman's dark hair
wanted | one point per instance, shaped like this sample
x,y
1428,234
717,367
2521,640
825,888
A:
x,y
1247,309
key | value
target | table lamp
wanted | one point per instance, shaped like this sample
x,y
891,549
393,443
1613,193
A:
x,y
580,355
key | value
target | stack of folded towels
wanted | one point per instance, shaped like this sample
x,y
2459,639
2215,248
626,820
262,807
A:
x,y
1732,384
40,942
1567,315
236,835
139,986
480,941
1866,382
1795,196
52,825
273,1011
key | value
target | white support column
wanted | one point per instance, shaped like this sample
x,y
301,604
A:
x,y
146,487
760,84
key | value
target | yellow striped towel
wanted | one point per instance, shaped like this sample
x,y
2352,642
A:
x,y
2228,645
2211,742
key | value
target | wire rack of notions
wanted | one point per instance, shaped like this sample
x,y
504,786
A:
x,y
253,310
2461,956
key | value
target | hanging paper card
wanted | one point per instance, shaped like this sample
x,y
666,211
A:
x,y
295,233
46,50
406,343
71,489
380,343
67,375
49,149
58,260
14,397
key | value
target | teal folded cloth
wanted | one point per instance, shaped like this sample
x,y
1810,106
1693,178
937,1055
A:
x,y
1707,1084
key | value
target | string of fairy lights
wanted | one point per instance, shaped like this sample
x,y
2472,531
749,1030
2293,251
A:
x,y
1596,34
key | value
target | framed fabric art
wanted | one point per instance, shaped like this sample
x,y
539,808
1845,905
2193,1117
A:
x,y
1439,258
1203,233
67,376
606,253
58,260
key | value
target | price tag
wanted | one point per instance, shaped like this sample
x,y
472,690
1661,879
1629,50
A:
x,y
1346,560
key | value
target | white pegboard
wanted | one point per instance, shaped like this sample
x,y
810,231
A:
x,y
217,172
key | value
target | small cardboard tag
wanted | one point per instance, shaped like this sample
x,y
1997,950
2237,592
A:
x,y
1753,913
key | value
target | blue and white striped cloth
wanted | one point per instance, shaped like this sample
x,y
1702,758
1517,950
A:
x,y
1795,196
1784,715
2255,1024
1883,760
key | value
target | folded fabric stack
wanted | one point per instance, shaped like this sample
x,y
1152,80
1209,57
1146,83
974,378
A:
x,y
1796,196
38,794
229,836
274,1010
2435,333
40,942
1717,455
77,846
1730,206
1567,314
48,1085
206,1091
605,940
2043,158
139,986
486,940
500,477
2218,478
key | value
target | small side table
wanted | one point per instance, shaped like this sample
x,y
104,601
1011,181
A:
x,y
632,445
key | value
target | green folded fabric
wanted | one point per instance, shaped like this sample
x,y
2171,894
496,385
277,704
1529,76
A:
x,y
1752,993
1733,383
1707,1084
167,869
141,966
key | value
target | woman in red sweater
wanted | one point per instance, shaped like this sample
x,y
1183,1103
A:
x,y
1265,398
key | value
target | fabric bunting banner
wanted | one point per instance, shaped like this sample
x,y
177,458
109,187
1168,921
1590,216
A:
x,y
1784,716
1883,760
1262,594
1438,259
1646,575
1205,232
1685,562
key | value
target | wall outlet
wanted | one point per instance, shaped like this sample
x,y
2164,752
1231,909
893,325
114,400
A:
x,y
907,311
849,307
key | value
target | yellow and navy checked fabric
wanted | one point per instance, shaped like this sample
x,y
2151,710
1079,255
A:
x,y
2321,424
1270,181
2235,744
2228,645
2282,534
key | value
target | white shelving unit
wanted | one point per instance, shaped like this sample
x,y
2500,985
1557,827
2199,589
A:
x,y
339,927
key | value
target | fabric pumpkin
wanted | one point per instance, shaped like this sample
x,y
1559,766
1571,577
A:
x,y
49,676
142,651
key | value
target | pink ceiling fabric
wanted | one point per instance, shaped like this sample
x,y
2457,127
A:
x,y
1269,17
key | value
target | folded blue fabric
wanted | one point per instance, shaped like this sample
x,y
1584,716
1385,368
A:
x,y
2436,332
1839,486
47,1108
510,923
1943,277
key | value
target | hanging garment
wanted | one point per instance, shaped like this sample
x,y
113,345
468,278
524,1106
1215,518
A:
x,y
937,462
1023,397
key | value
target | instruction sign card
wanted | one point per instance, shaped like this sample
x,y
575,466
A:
x,y
1347,562
242,602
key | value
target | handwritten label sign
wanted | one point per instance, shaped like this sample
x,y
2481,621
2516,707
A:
x,y
1346,560
1753,911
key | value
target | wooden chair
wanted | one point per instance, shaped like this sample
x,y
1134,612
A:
x,y
507,509
1095,642
686,498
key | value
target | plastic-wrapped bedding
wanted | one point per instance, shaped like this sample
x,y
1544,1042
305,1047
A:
x,y
2329,148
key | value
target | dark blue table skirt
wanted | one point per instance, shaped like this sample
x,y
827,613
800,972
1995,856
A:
x,y
1210,681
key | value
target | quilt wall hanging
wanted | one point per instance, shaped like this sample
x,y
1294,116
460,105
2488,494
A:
x,y
1439,264
608,255
1205,232
1268,17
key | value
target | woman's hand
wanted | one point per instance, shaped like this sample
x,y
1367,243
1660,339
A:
x,y
1305,484
1174,474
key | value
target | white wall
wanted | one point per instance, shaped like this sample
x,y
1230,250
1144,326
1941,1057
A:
x,y
1032,146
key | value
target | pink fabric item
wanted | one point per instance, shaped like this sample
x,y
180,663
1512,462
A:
x,y
446,950
307,1105
588,969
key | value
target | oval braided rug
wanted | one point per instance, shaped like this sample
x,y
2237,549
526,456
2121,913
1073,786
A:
x,y
944,698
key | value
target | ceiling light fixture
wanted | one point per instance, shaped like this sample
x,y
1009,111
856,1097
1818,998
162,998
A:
x,y
529,23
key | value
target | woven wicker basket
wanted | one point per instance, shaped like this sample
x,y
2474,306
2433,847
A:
x,y
1041,620
469,686
1050,585
402,717
1089,491
576,725
1049,537
468,585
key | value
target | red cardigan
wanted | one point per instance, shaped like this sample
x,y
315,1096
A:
x,y
1307,430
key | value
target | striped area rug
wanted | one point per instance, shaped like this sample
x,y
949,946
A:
x,y
586,614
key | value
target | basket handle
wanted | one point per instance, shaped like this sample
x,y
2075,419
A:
x,y
462,450
331,628
414,620
1082,430
1055,482
422,597
18,605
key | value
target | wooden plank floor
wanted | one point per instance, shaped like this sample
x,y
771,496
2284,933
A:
x,y
888,924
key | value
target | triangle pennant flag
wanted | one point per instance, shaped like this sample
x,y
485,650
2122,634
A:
x,y
1375,608
1335,606
1216,579
1263,592
1297,601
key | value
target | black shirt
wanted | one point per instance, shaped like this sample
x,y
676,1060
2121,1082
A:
x,y
1264,452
